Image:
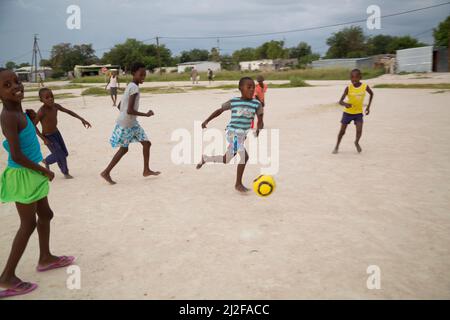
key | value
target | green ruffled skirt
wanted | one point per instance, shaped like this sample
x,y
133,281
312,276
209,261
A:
x,y
22,185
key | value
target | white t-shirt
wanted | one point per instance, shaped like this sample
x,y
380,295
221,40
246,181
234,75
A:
x,y
113,82
126,120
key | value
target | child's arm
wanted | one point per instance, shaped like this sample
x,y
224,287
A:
x,y
73,114
133,112
36,118
341,102
260,125
370,92
107,83
213,115
10,130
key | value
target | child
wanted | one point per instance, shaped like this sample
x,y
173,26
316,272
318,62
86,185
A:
x,y
353,110
127,129
48,116
113,83
243,110
260,90
24,182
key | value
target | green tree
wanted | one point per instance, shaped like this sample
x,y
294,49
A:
x,y
132,50
405,42
10,65
214,55
194,55
379,44
303,53
64,56
442,33
348,43
272,50
244,54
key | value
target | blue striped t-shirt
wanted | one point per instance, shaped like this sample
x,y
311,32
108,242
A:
x,y
242,113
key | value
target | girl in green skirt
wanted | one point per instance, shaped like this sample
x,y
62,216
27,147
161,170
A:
x,y
26,183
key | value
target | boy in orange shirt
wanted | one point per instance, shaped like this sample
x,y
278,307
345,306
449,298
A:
x,y
260,90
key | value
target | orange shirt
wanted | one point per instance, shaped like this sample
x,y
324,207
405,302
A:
x,y
259,92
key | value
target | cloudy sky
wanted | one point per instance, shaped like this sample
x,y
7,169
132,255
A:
x,y
108,22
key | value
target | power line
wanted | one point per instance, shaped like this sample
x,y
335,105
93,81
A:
x,y
302,29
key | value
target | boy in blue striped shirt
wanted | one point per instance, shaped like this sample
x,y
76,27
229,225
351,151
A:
x,y
243,110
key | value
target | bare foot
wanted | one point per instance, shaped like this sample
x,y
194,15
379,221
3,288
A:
x,y
335,151
68,176
151,173
241,188
107,177
200,164
358,147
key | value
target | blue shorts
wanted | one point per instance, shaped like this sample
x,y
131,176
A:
x,y
347,118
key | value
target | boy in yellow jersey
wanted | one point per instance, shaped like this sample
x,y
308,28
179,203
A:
x,y
353,109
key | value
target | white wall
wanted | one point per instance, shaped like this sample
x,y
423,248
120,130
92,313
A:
x,y
254,65
201,67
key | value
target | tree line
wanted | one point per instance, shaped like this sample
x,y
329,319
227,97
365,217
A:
x,y
350,42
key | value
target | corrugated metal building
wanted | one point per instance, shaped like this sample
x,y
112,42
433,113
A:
x,y
415,59
422,59
350,63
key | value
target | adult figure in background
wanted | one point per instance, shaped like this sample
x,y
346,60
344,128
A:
x,y
194,75
113,83
210,75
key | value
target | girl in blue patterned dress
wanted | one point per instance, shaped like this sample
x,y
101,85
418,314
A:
x,y
128,129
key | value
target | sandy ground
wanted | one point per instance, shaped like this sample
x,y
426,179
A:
x,y
188,235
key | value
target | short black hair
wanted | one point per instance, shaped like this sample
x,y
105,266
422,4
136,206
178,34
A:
x,y
136,66
356,70
42,90
243,79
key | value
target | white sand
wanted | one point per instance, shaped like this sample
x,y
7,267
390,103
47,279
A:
x,y
188,235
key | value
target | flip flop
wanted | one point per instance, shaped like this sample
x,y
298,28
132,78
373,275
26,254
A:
x,y
15,291
62,261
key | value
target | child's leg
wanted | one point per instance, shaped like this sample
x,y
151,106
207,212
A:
x,y
45,215
146,153
27,214
115,160
58,153
340,135
240,171
359,127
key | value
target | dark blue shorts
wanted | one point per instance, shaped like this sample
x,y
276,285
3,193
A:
x,y
347,118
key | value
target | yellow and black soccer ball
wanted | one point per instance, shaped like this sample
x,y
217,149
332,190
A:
x,y
264,185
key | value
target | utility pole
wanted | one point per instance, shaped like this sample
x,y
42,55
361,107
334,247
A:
x,y
34,60
159,55
218,46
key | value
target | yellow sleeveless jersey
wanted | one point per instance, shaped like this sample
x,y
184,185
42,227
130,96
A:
x,y
356,98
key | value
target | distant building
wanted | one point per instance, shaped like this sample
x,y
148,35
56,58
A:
x,y
201,66
166,70
27,74
256,65
423,59
348,63
267,64
93,69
